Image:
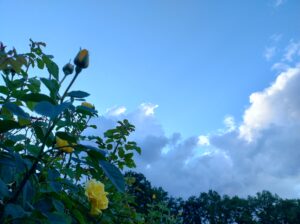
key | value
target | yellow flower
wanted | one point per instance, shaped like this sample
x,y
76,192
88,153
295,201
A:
x,y
64,145
96,194
82,59
89,105
153,196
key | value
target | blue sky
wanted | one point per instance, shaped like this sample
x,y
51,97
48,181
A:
x,y
199,61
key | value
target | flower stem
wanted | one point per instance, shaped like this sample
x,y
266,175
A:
x,y
71,83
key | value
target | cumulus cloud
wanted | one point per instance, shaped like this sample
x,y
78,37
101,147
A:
x,y
260,153
276,105
264,151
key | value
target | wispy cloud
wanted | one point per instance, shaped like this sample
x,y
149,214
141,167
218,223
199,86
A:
x,y
290,55
269,52
229,123
116,111
291,51
278,3
280,66
276,37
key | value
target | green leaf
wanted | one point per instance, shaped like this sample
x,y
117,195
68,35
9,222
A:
x,y
93,126
33,150
16,65
16,110
110,133
15,211
28,193
51,84
49,110
66,136
3,190
35,83
80,218
85,110
36,97
51,67
40,131
40,63
93,151
78,94
44,108
138,149
43,204
6,125
4,90
59,218
114,174
59,206
16,138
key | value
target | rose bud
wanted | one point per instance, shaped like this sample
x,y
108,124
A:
x,y
82,59
68,69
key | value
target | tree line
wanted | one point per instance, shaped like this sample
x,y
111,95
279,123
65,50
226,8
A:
x,y
210,207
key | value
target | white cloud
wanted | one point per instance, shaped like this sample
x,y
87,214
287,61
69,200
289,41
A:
x,y
203,140
261,153
272,106
148,108
116,111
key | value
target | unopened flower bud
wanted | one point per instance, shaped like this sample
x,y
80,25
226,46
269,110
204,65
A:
x,y
68,69
82,59
89,105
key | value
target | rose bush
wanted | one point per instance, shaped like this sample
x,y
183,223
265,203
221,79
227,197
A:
x,y
44,163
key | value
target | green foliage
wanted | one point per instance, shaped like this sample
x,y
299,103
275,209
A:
x,y
43,165
209,207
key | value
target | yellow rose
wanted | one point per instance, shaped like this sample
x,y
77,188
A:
x,y
64,145
96,194
82,59
89,105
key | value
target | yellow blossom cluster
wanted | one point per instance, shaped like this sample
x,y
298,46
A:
x,y
64,145
97,196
